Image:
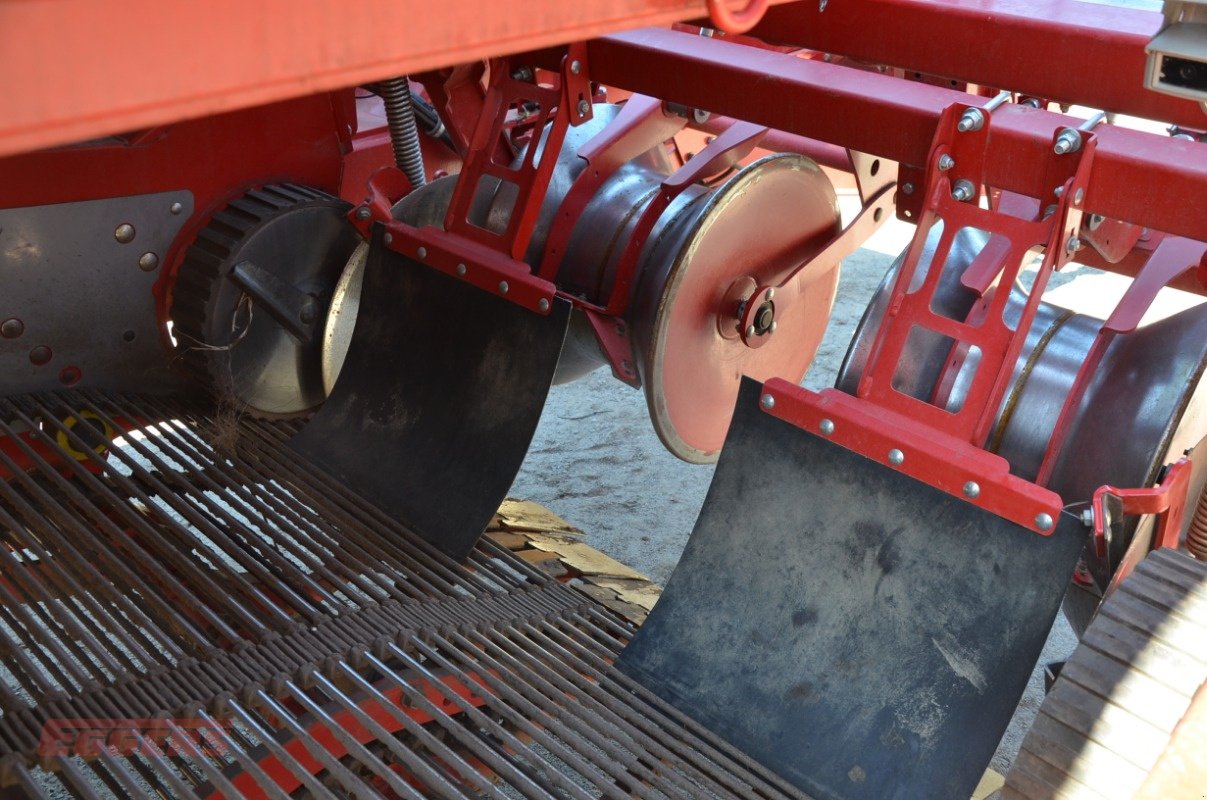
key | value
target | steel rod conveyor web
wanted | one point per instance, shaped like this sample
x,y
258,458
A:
x,y
255,628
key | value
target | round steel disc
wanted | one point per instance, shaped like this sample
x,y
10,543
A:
x,y
752,231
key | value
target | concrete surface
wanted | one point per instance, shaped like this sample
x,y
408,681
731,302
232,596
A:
x,y
597,462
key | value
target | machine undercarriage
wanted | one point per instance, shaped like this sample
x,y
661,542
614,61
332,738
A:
x,y
275,343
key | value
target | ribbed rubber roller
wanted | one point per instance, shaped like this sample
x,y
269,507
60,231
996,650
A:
x,y
753,231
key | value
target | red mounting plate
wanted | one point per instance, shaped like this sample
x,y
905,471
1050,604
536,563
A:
x,y
940,460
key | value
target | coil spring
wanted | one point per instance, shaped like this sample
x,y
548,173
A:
x,y
1196,537
404,134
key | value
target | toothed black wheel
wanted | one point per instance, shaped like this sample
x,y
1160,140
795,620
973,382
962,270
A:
x,y
251,295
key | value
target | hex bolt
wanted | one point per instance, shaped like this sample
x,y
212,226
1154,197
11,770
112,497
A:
x,y
767,401
1087,517
963,191
503,287
147,262
461,270
972,120
826,427
972,490
583,108
1073,245
422,253
1043,521
12,328
176,208
124,233
946,162
543,305
576,67
896,457
1068,141
363,213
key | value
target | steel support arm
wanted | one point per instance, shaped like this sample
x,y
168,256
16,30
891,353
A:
x,y
1144,178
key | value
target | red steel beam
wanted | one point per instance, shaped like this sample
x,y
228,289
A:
x,y
1061,50
77,69
1151,180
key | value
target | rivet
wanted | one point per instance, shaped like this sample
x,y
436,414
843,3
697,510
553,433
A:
x,y
750,332
576,67
124,233
422,253
771,294
543,305
1043,521
12,328
774,325
147,262
1078,197
388,238
972,489
826,426
503,287
907,188
40,355
460,269
176,208
896,457
767,401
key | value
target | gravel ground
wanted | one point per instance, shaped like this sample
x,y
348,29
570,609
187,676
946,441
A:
x,y
597,462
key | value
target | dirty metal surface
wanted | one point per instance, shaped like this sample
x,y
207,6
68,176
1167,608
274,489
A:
x,y
435,369
77,305
859,633
191,574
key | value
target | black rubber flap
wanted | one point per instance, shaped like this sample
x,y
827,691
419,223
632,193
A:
x,y
856,631
437,400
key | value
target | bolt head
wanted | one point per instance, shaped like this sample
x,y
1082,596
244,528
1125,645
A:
x,y
307,314
388,238
1043,521
767,401
1078,197
750,332
461,269
147,262
583,108
422,253
1087,517
576,67
363,213
771,293
176,208
543,305
12,328
826,427
774,325
896,457
972,490
907,188
1073,245
946,162
124,233
503,287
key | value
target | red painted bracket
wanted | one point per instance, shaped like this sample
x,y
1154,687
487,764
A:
x,y
945,462
1167,501
473,262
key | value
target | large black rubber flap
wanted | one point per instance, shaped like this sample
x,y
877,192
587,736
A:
x,y
856,631
437,400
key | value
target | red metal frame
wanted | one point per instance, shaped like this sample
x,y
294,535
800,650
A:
x,y
1137,177
1065,51
1167,501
